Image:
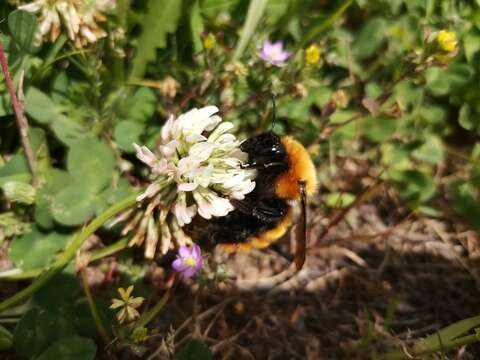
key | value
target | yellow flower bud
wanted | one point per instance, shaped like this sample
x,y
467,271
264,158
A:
x,y
447,40
209,41
312,54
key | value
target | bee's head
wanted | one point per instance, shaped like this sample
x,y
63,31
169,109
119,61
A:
x,y
265,148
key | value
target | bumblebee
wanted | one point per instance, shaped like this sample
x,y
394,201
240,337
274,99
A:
x,y
285,173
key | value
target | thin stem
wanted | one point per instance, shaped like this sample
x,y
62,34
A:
x,y
20,117
95,255
109,250
93,309
150,314
69,252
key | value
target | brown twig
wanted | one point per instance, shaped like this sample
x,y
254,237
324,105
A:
x,y
20,117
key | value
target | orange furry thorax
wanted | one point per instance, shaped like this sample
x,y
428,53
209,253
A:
x,y
300,167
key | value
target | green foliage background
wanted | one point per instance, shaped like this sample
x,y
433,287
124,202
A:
x,y
412,121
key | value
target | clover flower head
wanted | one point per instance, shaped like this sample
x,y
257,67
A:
x,y
79,18
196,170
169,87
189,260
447,41
274,53
236,68
192,163
128,305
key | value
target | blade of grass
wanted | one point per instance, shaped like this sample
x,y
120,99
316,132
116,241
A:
x,y
324,23
254,14
445,339
449,333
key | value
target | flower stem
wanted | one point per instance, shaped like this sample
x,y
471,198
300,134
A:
x,y
69,252
95,255
93,309
150,314
20,117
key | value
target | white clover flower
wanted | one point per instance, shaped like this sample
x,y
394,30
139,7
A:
x,y
196,171
79,18
192,163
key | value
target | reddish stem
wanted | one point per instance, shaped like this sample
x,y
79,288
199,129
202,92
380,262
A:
x,y
20,117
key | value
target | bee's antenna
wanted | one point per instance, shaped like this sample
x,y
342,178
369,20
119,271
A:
x,y
274,112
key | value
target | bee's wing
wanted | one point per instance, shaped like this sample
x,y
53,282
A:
x,y
301,230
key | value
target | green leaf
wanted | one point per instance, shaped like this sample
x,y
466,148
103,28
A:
x,y
67,307
41,107
370,38
91,161
23,28
467,118
64,283
459,74
6,339
441,82
195,350
74,204
36,249
431,151
142,105
55,180
68,131
15,170
160,19
395,156
338,199
70,348
300,109
111,195
471,44
379,129
5,105
254,14
414,186
37,329
437,82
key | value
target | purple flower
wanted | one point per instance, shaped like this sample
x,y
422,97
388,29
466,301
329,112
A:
x,y
273,53
189,260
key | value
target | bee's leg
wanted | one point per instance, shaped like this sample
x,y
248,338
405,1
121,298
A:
x,y
268,212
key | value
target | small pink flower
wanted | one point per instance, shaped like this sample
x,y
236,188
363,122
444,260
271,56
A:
x,y
189,260
274,53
